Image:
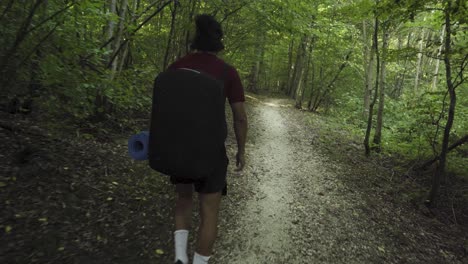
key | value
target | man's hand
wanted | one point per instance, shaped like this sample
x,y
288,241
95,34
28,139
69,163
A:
x,y
240,161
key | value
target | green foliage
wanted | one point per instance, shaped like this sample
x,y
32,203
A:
x,y
61,58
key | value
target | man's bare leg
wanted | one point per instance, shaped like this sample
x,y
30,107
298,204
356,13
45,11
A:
x,y
183,210
209,210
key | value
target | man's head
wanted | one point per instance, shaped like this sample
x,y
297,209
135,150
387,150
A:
x,y
208,35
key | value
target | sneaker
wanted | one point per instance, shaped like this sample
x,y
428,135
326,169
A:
x,y
179,262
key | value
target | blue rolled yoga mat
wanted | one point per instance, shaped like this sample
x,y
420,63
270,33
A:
x,y
138,146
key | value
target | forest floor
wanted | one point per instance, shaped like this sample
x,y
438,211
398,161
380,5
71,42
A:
x,y
300,200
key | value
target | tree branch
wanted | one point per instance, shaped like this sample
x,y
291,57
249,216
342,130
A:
x,y
20,36
139,16
135,31
51,17
7,8
38,45
460,73
234,11
329,86
458,143
147,9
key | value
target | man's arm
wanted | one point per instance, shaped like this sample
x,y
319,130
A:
x,y
240,130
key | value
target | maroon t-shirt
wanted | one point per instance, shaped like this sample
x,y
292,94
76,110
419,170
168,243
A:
x,y
216,67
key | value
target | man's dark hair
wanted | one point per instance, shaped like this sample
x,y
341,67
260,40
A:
x,y
208,36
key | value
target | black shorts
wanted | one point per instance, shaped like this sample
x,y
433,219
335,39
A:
x,y
211,184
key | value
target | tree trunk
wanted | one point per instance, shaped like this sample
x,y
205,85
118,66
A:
x,y
370,80
255,70
118,37
451,111
320,97
100,101
375,49
368,58
111,23
299,67
419,63
400,79
253,80
193,8
437,66
124,61
378,129
312,90
290,64
170,37
293,74
301,90
318,91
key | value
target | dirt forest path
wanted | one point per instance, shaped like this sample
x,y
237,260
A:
x,y
292,206
306,196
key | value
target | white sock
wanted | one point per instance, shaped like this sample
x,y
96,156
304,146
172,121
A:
x,y
180,241
199,259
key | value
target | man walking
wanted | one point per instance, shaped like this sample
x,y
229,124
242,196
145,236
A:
x,y
203,58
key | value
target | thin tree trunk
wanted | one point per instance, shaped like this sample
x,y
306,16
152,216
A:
x,y
329,87
369,82
300,96
124,60
262,67
318,91
118,38
419,63
451,111
190,18
253,82
111,23
400,79
290,64
311,95
100,103
255,70
300,90
375,48
437,66
367,69
296,82
378,129
171,36
294,74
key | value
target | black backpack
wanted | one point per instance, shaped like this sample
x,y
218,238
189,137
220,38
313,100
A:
x,y
188,124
